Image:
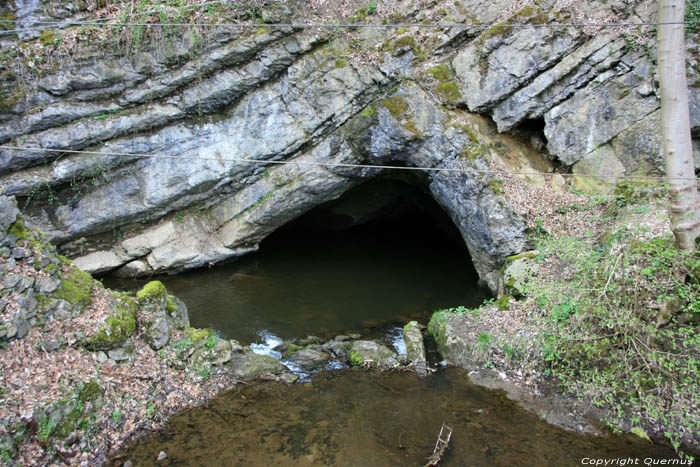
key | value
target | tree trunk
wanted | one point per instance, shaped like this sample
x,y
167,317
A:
x,y
675,124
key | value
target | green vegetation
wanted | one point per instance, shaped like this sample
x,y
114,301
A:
x,y
46,427
196,335
692,13
449,92
152,290
356,359
170,305
398,108
496,185
628,338
441,73
503,303
76,287
115,330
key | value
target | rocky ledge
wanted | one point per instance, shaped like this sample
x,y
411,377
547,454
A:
x,y
197,150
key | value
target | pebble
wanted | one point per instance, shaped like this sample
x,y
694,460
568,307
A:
x,y
162,455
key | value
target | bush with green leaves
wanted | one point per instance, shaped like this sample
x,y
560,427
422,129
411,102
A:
x,y
622,329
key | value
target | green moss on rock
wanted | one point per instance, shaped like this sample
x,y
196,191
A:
x,y
18,230
436,327
170,305
90,392
152,290
117,328
512,258
197,335
503,303
449,91
76,287
355,359
440,73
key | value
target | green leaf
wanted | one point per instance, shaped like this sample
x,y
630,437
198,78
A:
x,y
640,432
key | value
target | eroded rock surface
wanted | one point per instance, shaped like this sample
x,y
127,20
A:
x,y
179,172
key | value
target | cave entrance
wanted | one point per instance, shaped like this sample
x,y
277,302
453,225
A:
x,y
379,256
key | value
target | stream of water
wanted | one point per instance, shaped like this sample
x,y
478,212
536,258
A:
x,y
360,418
367,280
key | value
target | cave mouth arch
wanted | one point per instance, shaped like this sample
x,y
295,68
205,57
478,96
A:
x,y
380,255
394,209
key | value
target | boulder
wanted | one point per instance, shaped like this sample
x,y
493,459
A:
x,y
246,366
517,272
415,349
216,353
373,355
158,333
310,359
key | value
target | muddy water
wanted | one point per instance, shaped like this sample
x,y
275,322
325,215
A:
x,y
318,282
359,418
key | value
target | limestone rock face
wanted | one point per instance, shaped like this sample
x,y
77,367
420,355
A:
x,y
179,170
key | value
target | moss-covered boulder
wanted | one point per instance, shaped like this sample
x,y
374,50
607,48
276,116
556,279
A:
x,y
415,348
457,336
517,274
214,351
118,327
153,295
75,287
246,366
310,359
373,355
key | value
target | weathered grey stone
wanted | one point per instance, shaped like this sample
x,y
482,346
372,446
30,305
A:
x,y
25,282
120,354
22,328
158,334
63,310
246,366
99,262
8,213
11,281
517,275
415,349
27,303
309,359
102,357
217,354
20,252
180,317
456,335
46,285
373,355
338,349
10,330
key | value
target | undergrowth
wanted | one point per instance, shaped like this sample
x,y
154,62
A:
x,y
620,328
